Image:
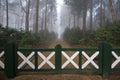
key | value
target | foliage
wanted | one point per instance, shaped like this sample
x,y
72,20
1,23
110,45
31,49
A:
x,y
46,35
25,39
35,40
8,35
72,35
29,40
89,39
109,33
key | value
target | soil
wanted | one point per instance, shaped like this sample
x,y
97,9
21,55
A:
x,y
61,42
59,77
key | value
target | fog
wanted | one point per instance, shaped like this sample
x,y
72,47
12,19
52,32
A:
x,y
57,15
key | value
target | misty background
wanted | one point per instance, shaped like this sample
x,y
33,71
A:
x,y
80,19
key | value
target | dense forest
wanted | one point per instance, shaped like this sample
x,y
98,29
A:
x,y
33,23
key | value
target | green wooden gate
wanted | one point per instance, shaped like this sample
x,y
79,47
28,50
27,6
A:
x,y
100,60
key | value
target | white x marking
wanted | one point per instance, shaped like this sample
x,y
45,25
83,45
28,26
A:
x,y
46,60
26,60
1,63
70,59
90,59
116,61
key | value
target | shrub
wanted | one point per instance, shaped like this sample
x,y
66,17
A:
x,y
46,35
109,33
8,35
73,36
29,40
25,39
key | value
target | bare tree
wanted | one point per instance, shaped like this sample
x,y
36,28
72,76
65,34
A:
x,y
7,14
101,12
91,15
46,9
27,13
112,11
0,13
36,17
84,16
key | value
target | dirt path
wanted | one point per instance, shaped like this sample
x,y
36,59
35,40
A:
x,y
61,42
58,77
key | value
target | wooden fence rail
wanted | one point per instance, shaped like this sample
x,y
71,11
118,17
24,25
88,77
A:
x,y
103,60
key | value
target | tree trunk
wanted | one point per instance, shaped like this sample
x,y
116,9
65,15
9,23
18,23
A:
x,y
118,10
74,21
101,12
46,14
112,11
36,16
84,16
51,21
69,21
27,16
22,19
104,16
7,15
91,15
0,13
78,20
42,22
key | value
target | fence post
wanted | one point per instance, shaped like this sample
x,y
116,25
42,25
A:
x,y
10,60
58,57
105,51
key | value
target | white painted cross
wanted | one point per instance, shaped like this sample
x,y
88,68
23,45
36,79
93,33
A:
x,y
114,64
70,59
26,60
1,63
46,60
90,60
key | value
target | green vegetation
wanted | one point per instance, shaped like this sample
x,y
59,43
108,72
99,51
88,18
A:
x,y
109,33
25,39
73,35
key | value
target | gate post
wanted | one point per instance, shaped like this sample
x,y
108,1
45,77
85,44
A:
x,y
106,56
10,60
58,57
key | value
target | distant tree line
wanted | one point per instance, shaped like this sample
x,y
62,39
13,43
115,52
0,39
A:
x,y
30,15
94,12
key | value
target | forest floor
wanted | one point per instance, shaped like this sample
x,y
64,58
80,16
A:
x,y
61,42
63,76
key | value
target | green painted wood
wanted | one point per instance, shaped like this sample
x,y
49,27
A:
x,y
80,49
101,48
80,60
36,60
1,49
116,49
60,71
104,59
58,56
107,59
37,70
116,69
10,60
21,49
2,70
